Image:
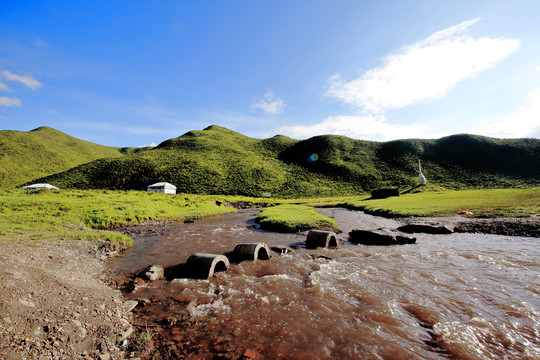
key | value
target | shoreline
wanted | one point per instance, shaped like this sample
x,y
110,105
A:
x,y
58,301
526,226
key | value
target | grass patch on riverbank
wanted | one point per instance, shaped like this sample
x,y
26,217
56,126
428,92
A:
x,y
293,218
29,216
482,203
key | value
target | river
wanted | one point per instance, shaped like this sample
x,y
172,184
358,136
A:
x,y
458,296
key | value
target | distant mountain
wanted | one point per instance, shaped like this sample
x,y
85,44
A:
x,y
44,151
220,161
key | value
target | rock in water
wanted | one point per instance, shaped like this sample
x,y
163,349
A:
x,y
425,228
379,237
152,273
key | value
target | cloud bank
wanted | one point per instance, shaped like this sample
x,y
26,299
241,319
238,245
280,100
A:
x,y
524,122
371,126
422,71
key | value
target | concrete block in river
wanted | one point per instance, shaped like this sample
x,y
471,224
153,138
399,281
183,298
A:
x,y
379,237
203,266
253,251
319,238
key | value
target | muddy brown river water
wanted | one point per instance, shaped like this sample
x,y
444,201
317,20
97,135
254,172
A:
x,y
458,296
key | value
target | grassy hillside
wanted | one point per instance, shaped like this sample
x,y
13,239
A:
x,y
28,155
212,161
220,161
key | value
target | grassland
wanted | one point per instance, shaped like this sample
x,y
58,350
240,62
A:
x,y
482,203
89,215
29,216
293,218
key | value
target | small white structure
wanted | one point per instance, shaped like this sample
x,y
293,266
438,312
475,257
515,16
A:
x,y
39,186
421,178
162,187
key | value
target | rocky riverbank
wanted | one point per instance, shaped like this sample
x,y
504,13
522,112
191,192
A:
x,y
56,303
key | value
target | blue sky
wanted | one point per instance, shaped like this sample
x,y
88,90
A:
x,y
134,73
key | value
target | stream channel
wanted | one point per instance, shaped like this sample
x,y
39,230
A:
x,y
457,296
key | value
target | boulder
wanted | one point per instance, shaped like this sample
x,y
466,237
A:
x,y
152,273
426,229
379,237
384,193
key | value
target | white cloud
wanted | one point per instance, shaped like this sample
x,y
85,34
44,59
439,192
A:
x,y
26,80
152,144
10,102
524,122
4,87
373,127
54,112
270,104
422,71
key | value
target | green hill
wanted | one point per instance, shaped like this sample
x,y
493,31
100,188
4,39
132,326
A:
x,y
213,161
28,155
220,161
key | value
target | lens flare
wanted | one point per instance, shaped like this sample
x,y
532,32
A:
x,y
312,158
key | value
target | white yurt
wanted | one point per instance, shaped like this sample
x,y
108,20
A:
x,y
39,186
162,187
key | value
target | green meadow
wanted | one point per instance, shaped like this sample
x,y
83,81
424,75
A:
x,y
482,203
30,216
293,218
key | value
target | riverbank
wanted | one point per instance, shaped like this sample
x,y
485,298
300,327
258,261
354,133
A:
x,y
56,302
527,227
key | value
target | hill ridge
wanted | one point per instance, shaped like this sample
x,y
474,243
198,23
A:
x,y
26,155
218,160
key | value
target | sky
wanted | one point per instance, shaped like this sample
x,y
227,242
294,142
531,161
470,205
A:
x,y
136,73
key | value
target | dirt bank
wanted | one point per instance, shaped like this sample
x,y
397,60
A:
x,y
55,302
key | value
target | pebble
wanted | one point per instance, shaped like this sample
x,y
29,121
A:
x,y
125,335
250,354
130,305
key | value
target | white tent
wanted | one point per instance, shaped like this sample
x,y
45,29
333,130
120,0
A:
x,y
39,186
162,187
